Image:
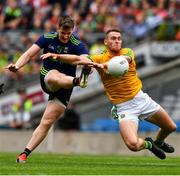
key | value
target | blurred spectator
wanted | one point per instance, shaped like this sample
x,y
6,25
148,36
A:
x,y
3,59
98,47
27,11
136,18
166,31
11,15
96,15
21,111
140,29
41,13
178,34
89,24
54,16
174,9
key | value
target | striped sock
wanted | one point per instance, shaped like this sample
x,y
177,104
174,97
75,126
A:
x,y
148,144
76,81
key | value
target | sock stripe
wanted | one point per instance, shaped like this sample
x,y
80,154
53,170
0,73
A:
x,y
148,144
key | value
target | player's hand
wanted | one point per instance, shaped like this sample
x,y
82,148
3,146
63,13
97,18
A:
x,y
102,67
82,60
12,68
48,55
98,66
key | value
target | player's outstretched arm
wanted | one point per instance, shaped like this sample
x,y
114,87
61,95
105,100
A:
x,y
24,59
68,58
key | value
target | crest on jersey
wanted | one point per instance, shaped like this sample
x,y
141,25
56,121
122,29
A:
x,y
51,47
65,49
59,49
123,116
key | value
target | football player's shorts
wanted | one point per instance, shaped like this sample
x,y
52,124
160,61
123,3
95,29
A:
x,y
60,96
138,108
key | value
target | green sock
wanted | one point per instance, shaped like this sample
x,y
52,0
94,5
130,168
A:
x,y
148,144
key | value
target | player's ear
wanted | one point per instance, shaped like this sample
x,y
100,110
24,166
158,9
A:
x,y
105,42
57,28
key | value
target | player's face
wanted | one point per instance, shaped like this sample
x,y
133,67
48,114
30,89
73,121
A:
x,y
64,34
113,41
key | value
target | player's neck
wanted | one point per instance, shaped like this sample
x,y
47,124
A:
x,y
114,53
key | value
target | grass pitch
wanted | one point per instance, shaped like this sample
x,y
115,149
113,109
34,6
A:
x,y
57,164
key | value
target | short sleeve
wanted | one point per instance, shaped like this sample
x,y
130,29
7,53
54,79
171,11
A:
x,y
81,49
41,42
128,52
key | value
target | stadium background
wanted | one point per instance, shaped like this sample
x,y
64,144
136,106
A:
x,y
151,28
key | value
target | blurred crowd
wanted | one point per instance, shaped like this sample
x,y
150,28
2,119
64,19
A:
x,y
136,18
90,15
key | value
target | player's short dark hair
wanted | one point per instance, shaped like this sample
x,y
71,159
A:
x,y
66,22
112,30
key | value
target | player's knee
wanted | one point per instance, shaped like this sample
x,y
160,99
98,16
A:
x,y
171,128
133,146
46,123
52,79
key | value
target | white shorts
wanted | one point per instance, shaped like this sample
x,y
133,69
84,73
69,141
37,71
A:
x,y
139,108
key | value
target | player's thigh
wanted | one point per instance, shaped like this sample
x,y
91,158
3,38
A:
x,y
162,119
128,131
52,112
53,74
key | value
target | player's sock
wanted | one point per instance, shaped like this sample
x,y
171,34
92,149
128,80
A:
x,y
155,149
148,144
76,81
27,151
164,146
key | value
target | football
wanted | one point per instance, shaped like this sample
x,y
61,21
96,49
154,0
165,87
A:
x,y
118,66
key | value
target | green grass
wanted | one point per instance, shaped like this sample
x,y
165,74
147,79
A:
x,y
44,164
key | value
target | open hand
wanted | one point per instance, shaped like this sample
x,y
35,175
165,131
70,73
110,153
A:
x,y
101,67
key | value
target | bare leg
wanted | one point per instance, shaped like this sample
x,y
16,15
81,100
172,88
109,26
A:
x,y
51,114
164,121
57,80
130,136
